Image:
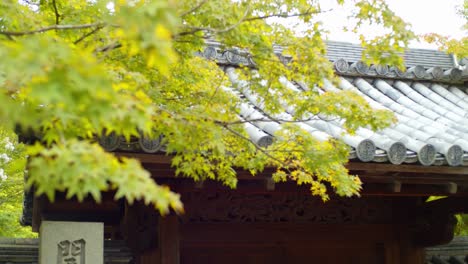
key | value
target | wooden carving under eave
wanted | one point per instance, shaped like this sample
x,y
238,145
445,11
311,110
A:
x,y
234,207
140,227
434,228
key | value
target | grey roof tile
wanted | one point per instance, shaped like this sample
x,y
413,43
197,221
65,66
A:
x,y
432,112
425,126
413,57
391,143
442,91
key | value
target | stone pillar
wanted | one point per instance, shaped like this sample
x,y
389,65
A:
x,y
71,242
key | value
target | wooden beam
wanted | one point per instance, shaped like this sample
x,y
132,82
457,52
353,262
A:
x,y
161,159
384,179
380,167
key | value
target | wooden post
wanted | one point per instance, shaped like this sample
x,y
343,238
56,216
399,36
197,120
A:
x,y
168,248
169,239
410,253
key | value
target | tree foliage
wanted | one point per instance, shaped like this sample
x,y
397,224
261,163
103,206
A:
x,y
12,161
72,70
458,47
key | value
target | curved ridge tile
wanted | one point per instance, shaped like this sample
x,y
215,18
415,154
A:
x,y
429,104
449,96
429,130
389,103
438,99
320,135
422,149
259,137
429,121
439,144
458,92
248,112
428,114
444,132
400,98
320,129
453,153
361,144
425,152
396,151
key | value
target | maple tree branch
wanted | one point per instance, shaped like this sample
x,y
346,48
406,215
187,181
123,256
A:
x,y
262,150
53,27
268,119
109,47
282,15
193,9
88,34
217,31
246,19
57,15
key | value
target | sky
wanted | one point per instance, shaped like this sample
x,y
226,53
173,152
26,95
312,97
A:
x,y
425,16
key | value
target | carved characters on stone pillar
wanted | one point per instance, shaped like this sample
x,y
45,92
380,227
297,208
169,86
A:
x,y
71,252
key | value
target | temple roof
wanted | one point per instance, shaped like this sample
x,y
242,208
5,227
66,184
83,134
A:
x,y
413,57
429,99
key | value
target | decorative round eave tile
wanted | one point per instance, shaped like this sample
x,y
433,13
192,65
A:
x,y
361,67
427,155
454,155
110,142
436,72
150,145
454,74
341,66
210,53
397,153
366,150
381,69
233,56
265,141
418,71
398,72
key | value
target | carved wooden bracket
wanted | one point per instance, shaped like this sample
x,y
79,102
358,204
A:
x,y
435,221
434,228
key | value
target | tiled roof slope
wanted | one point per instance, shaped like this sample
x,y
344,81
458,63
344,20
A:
x,y
456,252
431,129
421,64
413,57
431,106
26,251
